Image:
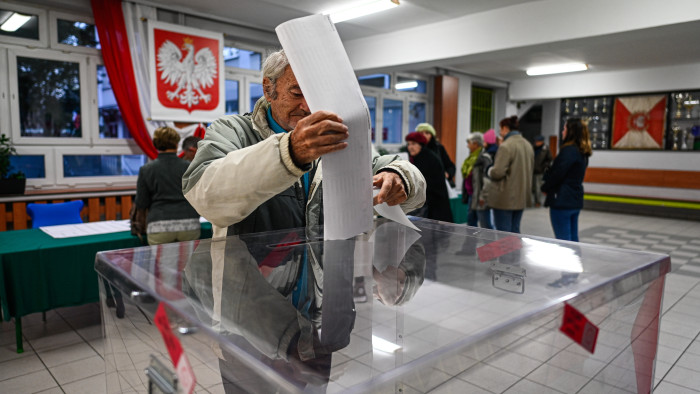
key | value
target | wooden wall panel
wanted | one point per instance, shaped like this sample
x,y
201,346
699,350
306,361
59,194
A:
x,y
445,113
3,218
110,208
93,210
636,177
125,207
13,215
19,215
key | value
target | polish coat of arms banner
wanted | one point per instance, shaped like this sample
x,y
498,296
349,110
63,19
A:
x,y
186,72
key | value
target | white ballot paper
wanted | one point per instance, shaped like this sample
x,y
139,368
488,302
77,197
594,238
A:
x,y
83,229
393,213
328,82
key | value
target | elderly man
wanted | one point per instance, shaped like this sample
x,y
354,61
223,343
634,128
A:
x,y
261,171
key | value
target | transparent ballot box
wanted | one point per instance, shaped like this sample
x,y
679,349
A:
x,y
449,308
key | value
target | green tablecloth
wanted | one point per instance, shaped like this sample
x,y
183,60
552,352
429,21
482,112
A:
x,y
39,273
459,210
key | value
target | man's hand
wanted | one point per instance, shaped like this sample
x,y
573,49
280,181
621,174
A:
x,y
317,134
391,188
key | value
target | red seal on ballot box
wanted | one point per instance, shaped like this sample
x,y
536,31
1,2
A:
x,y
577,327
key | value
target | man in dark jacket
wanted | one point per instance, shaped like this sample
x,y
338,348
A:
x,y
543,159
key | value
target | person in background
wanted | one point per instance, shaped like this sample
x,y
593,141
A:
x,y
473,187
543,159
437,201
491,143
189,147
563,182
170,217
511,174
436,147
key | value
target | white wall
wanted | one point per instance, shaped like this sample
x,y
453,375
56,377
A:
x,y
464,121
531,23
662,79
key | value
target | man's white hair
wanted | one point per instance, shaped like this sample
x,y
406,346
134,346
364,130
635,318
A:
x,y
273,68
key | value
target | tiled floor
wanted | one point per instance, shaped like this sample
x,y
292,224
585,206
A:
x,y
63,354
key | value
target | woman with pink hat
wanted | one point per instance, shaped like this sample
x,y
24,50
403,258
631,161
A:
x,y
491,143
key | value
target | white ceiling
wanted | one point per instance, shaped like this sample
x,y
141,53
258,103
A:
x,y
657,46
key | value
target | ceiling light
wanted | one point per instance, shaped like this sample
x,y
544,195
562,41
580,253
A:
x,y
15,21
384,345
360,9
557,69
406,85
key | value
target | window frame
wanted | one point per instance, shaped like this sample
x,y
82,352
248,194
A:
x,y
93,63
54,16
85,115
100,181
245,76
49,169
43,41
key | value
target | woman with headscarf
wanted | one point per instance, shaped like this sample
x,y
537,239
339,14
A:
x,y
473,174
563,182
436,147
437,202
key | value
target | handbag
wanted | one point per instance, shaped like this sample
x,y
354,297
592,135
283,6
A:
x,y
137,221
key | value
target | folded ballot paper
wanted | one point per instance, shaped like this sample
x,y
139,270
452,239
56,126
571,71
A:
x,y
328,81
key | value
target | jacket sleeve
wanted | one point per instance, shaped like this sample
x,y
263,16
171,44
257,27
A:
x,y
554,177
411,176
501,167
228,180
143,194
447,162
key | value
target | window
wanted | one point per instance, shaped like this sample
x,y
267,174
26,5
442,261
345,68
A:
x,y
49,98
372,105
256,91
23,25
242,58
110,118
102,165
482,109
19,24
393,121
416,114
232,97
407,84
397,109
76,33
31,165
382,81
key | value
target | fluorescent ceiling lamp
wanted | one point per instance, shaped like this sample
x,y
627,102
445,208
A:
x,y
557,69
360,9
15,22
384,345
407,85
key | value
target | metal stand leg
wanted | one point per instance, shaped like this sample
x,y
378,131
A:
x,y
18,334
43,316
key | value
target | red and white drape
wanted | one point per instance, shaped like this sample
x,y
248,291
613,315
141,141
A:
x,y
109,20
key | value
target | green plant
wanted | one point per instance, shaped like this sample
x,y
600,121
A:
x,y
7,150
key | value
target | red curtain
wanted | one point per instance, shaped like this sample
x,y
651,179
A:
x,y
109,20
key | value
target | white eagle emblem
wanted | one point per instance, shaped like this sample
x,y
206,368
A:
x,y
189,75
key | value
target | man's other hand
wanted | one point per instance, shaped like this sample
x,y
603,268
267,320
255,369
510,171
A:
x,y
391,188
317,134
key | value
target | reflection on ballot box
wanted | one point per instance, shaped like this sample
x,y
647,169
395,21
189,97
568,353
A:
x,y
446,305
